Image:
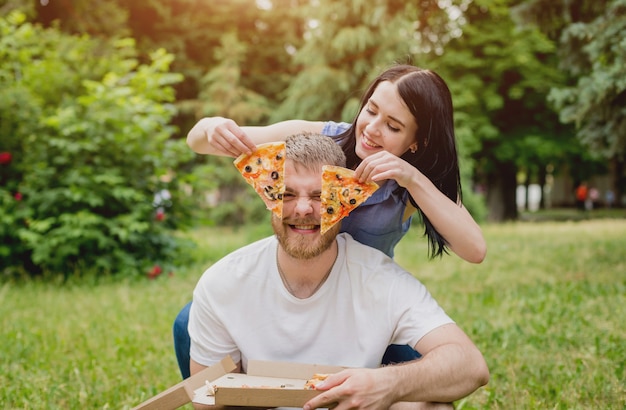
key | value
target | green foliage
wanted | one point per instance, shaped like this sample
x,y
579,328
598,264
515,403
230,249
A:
x,y
91,147
349,44
499,74
589,35
229,199
223,93
191,30
262,61
595,55
499,80
102,18
12,250
234,47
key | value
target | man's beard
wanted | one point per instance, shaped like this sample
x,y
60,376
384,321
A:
x,y
299,246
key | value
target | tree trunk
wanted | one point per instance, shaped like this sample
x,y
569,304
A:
x,y
501,188
618,180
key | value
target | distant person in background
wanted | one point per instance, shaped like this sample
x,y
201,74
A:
x,y
592,198
609,197
581,195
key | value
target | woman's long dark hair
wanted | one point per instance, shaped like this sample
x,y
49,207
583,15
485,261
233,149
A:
x,y
428,98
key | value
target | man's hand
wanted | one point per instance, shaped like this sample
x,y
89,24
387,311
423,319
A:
x,y
353,389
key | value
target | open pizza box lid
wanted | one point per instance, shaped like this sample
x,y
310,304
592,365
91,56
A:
x,y
266,384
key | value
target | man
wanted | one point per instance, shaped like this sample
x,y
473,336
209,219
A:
x,y
303,297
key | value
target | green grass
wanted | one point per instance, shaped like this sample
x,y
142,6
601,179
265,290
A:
x,y
572,214
547,308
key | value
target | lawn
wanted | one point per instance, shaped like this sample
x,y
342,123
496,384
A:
x,y
547,308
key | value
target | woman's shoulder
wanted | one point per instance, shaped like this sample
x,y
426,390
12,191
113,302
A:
x,y
332,128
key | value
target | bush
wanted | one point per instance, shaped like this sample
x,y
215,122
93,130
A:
x,y
87,128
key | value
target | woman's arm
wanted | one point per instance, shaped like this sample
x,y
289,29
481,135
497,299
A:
x,y
450,219
222,136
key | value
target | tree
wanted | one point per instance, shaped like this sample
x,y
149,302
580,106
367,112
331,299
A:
x,y
234,59
349,43
98,19
500,74
223,94
192,30
592,53
596,103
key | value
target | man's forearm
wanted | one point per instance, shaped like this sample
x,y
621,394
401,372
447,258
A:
x,y
447,373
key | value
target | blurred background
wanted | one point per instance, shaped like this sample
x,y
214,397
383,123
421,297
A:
x,y
96,99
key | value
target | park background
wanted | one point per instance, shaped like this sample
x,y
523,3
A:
x,y
107,219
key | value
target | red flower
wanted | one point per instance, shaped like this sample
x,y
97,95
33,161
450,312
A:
x,y
155,271
18,196
5,157
160,215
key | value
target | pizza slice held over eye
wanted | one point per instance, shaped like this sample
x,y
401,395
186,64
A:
x,y
341,193
264,169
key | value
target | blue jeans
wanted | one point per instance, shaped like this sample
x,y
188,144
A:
x,y
182,343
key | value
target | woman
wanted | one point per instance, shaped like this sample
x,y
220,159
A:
x,y
403,138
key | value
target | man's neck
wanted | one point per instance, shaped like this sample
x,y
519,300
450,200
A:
x,y
303,277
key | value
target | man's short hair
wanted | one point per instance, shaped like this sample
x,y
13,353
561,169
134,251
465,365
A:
x,y
313,150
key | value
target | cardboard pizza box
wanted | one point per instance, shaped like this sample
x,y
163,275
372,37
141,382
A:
x,y
183,392
266,384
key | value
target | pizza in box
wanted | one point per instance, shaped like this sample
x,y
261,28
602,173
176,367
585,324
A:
x,y
240,389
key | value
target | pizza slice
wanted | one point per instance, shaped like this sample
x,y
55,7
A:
x,y
341,193
313,381
264,169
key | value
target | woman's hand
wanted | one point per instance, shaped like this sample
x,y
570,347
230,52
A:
x,y
385,165
223,136
462,234
219,136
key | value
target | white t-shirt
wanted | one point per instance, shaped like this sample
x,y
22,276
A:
x,y
241,308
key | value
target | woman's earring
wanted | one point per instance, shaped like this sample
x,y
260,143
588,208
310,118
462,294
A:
x,y
413,148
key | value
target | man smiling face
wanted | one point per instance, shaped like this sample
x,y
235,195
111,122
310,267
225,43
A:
x,y
299,231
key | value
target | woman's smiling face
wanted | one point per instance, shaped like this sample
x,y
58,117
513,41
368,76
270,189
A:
x,y
385,123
